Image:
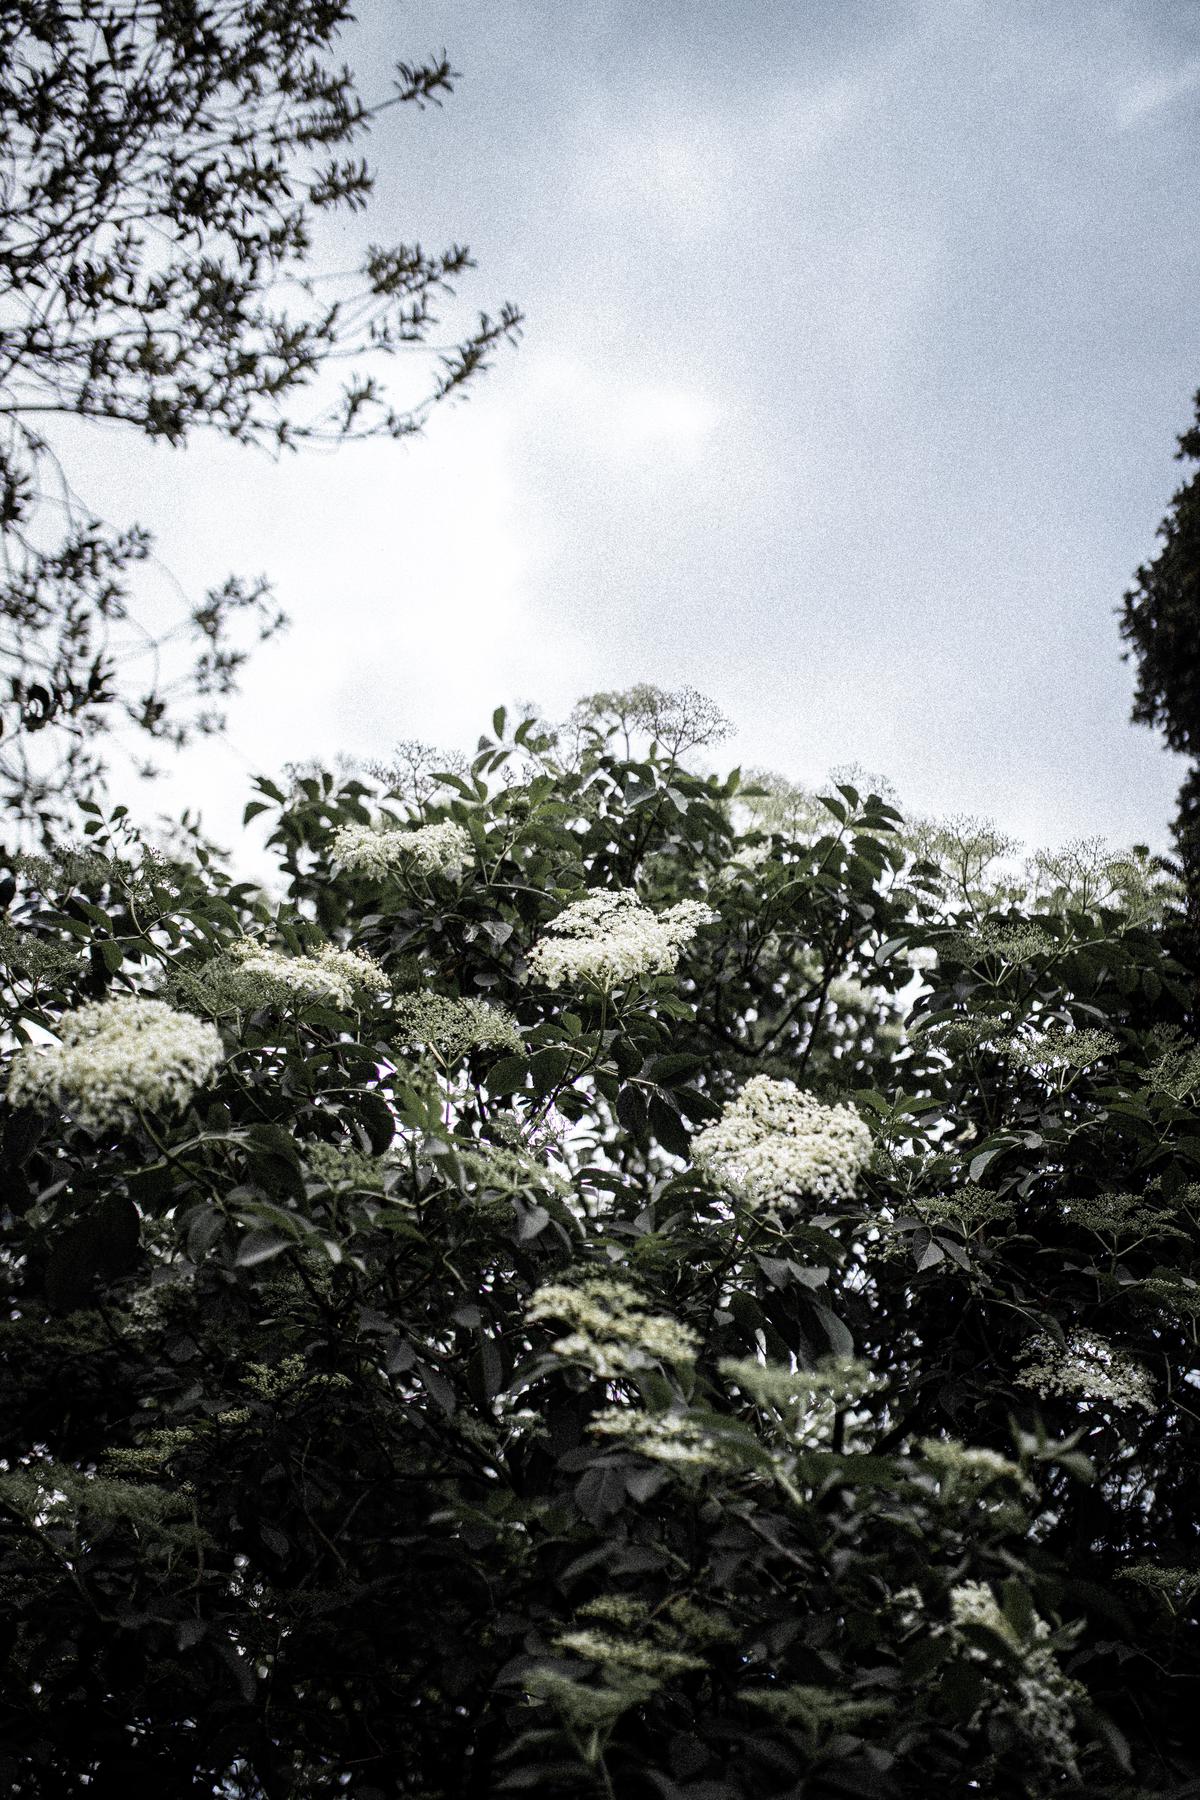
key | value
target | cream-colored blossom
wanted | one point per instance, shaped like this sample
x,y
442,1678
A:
x,y
506,1169
117,1056
631,1652
441,849
617,1655
250,974
1059,1048
775,1144
974,1603
610,937
1086,1367
745,861
613,1330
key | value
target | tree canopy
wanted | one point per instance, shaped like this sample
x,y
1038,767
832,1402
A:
x,y
163,170
616,1279
1161,623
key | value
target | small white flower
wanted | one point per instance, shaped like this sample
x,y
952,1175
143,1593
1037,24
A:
x,y
610,937
1088,1367
117,1056
775,1143
441,849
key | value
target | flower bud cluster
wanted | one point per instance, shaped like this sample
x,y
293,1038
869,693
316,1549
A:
x,y
455,1027
807,1400
441,849
969,1465
610,937
774,1144
117,1057
503,1169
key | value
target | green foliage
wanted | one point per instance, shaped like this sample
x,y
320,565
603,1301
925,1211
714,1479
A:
x,y
408,1410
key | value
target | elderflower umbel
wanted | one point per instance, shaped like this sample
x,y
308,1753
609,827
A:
x,y
614,1331
1045,1696
664,1437
774,1143
441,849
117,1056
248,975
1087,1366
455,1027
609,937
1058,1048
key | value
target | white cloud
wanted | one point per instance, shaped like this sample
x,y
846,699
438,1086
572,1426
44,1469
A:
x,y
613,415
1152,93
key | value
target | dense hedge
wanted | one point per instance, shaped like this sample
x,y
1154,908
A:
x,y
615,1281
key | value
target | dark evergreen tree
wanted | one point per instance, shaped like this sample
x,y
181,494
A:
x,y
1161,621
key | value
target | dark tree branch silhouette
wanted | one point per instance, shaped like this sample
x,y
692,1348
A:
x,y
162,169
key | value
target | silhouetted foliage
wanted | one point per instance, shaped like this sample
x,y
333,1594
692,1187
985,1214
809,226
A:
x,y
1161,621
162,170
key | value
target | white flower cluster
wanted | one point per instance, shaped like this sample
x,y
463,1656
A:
x,y
455,1027
441,849
613,1330
664,1437
775,1143
1045,1697
117,1056
631,1651
609,937
249,974
617,1656
973,1603
1089,1367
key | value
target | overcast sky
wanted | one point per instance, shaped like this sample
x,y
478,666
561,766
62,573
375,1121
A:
x,y
859,337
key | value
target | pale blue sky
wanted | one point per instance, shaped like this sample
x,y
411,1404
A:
x,y
858,339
